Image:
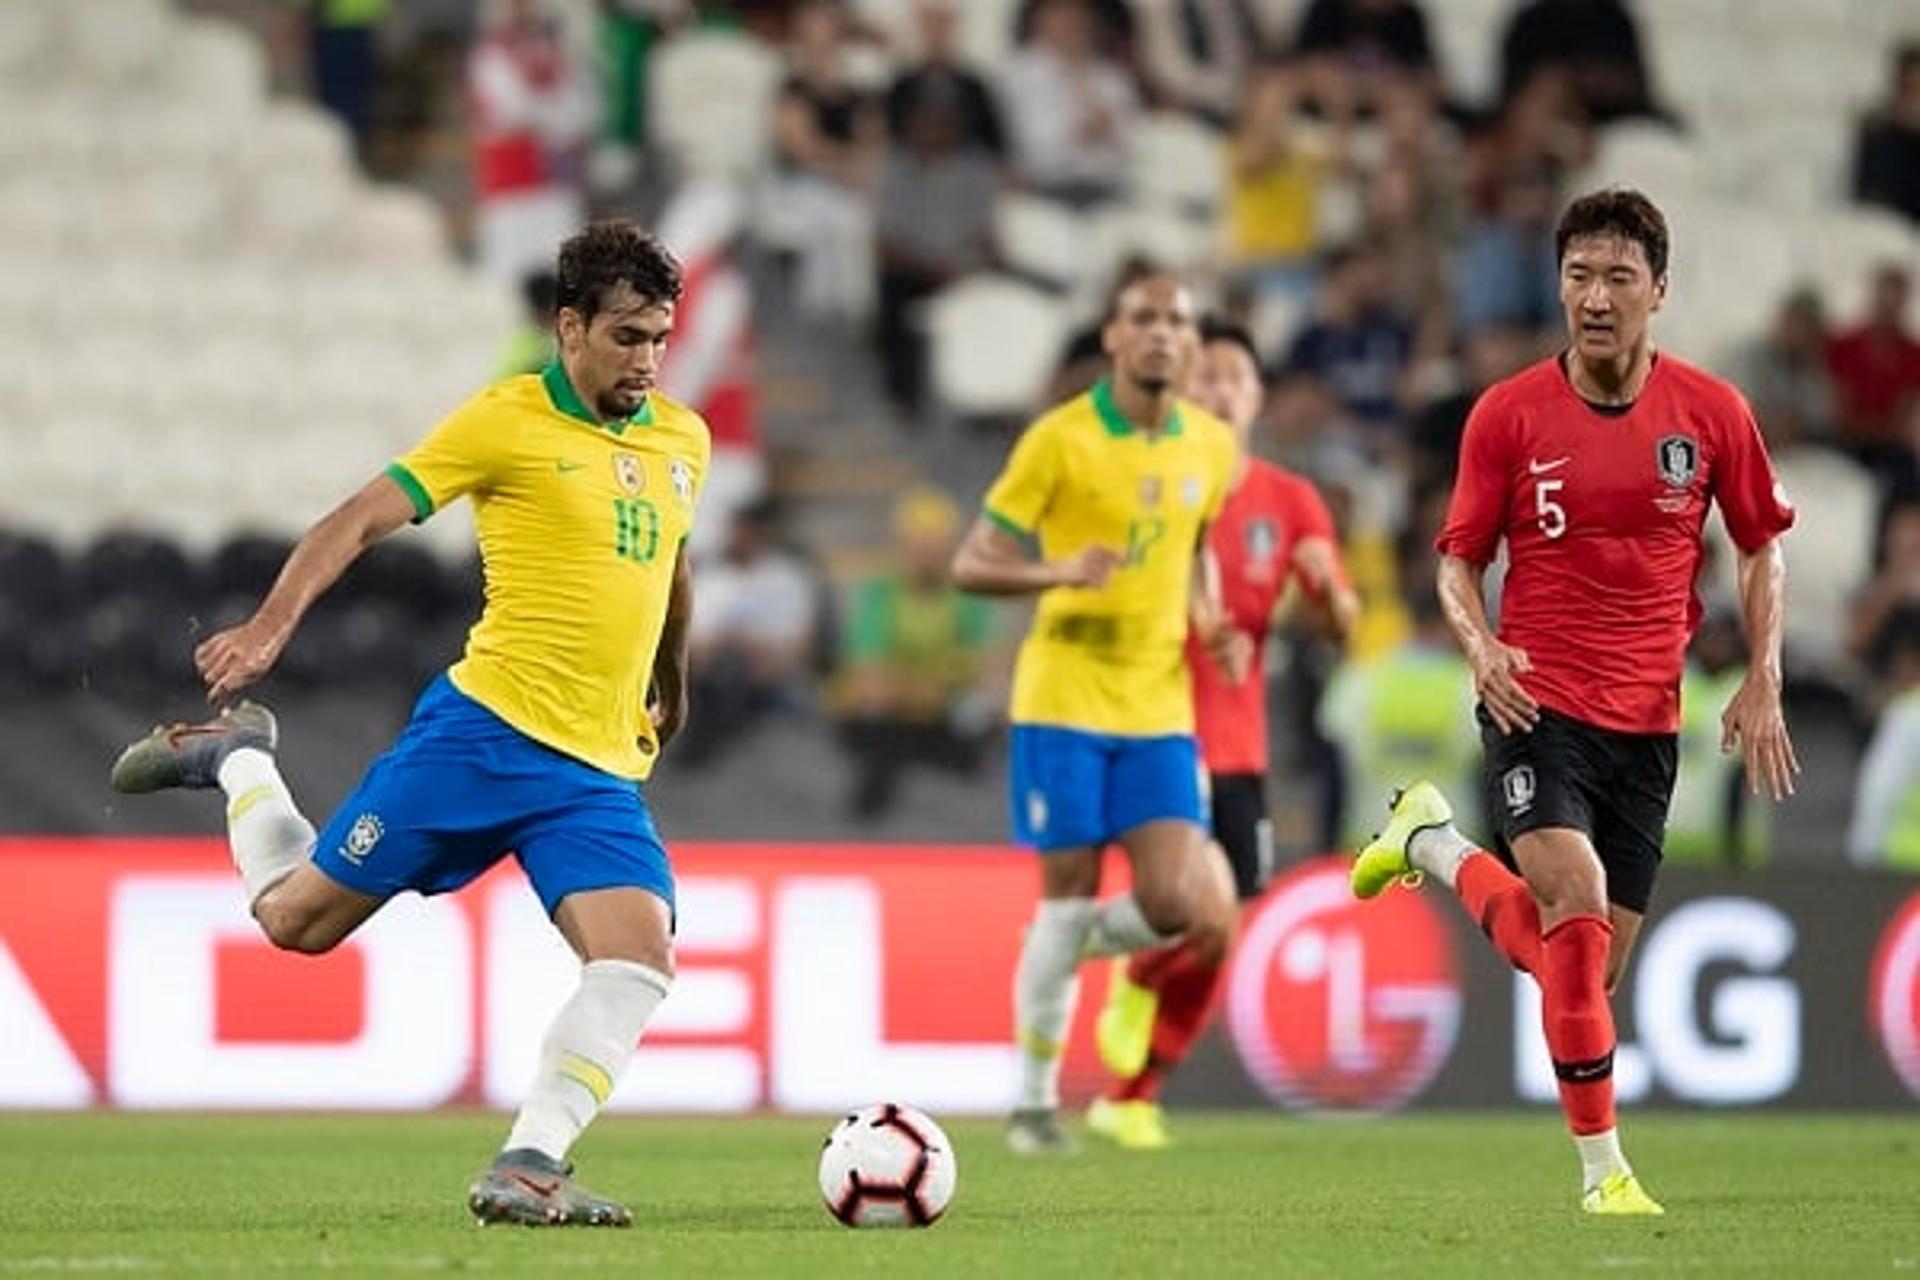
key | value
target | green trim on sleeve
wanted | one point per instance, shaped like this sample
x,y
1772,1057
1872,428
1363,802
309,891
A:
x,y
415,491
1010,526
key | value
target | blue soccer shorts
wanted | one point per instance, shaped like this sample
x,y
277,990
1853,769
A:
x,y
1071,788
462,788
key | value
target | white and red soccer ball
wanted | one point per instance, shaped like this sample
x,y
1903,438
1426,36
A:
x,y
887,1166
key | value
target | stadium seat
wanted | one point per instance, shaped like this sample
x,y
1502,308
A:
x,y
1177,162
1042,238
733,78
993,341
27,32
213,70
389,224
1651,157
116,43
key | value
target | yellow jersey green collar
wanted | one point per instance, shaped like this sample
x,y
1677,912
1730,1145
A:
x,y
1116,422
567,400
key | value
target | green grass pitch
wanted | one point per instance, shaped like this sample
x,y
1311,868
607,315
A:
x,y
1243,1194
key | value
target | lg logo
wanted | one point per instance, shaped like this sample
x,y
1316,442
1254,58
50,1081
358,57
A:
x,y
1717,1021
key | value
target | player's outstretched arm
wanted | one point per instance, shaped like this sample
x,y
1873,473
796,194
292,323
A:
x,y
238,656
1496,666
1323,577
669,703
991,561
1753,719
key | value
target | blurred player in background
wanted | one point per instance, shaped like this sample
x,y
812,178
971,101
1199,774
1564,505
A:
x,y
1273,528
1596,467
583,480
1102,510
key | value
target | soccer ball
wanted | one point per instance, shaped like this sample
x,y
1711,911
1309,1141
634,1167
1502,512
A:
x,y
887,1166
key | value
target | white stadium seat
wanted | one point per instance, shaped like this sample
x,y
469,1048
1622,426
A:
x,y
389,225
117,43
1176,161
212,69
993,342
709,98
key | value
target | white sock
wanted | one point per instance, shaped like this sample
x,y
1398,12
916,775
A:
x,y
1045,986
1439,851
585,1053
1600,1157
1120,927
265,830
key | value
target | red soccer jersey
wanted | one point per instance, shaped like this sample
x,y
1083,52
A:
x,y
1253,538
1602,515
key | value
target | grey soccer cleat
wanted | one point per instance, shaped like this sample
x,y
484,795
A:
x,y
530,1189
189,755
1036,1131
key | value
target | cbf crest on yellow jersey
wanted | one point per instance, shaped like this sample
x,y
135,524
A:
x,y
580,523
1110,660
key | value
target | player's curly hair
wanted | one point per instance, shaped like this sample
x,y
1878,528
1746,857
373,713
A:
x,y
1615,211
602,254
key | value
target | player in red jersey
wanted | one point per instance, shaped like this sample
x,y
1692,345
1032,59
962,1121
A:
x,y
1596,467
1274,528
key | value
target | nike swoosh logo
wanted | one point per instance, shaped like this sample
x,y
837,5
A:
x,y
1539,468
563,466
535,1185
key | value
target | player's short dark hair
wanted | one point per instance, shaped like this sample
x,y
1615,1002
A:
x,y
1220,329
597,258
1616,211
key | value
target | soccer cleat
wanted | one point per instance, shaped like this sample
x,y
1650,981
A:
x,y
529,1189
1385,860
1124,1031
1036,1131
189,755
1132,1126
1622,1194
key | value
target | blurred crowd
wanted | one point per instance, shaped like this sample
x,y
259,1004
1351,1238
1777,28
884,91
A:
x,y
1390,246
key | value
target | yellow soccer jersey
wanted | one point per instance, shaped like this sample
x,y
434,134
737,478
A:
x,y
1111,660
579,525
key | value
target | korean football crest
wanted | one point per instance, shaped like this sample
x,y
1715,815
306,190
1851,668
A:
x,y
628,471
1677,458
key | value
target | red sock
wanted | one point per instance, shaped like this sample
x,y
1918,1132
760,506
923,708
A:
x,y
1145,967
1578,1020
1187,986
1502,905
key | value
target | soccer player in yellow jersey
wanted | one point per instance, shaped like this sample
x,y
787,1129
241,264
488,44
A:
x,y
1102,510
583,481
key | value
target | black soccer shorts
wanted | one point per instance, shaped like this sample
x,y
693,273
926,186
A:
x,y
1616,787
1241,825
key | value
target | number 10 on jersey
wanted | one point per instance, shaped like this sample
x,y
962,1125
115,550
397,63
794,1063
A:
x,y
636,529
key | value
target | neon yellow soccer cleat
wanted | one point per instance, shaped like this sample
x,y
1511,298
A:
x,y
1131,1126
1385,860
1124,1031
1620,1193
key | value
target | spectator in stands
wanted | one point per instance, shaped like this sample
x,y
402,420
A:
x,y
530,347
1712,821
1886,160
1784,371
752,635
939,76
1542,126
343,58
1068,107
532,119
910,687
1894,589
1885,829
1875,367
1508,273
935,223
1278,166
1196,53
1595,41
1487,355
1357,343
828,139
709,365
1358,50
